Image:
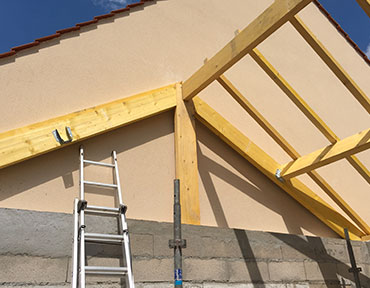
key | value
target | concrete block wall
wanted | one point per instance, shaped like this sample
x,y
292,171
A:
x,y
36,247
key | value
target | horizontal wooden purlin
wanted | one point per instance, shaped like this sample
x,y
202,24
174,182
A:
x,y
305,108
279,139
329,154
330,61
27,142
365,5
258,30
264,163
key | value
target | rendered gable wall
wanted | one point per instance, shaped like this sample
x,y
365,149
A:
x,y
159,45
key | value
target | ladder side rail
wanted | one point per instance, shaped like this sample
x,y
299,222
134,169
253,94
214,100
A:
x,y
117,179
82,223
126,239
75,245
126,245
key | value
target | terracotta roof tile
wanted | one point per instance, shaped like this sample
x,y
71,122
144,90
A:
x,y
96,19
6,54
128,7
25,46
104,16
67,30
135,4
121,10
86,23
46,38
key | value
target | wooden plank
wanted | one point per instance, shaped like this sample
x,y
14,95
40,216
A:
x,y
186,160
263,162
333,64
365,5
30,141
258,117
258,30
305,108
329,154
293,95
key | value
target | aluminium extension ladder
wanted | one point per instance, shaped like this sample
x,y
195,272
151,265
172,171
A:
x,y
80,237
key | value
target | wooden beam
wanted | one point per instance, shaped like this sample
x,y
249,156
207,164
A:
x,y
365,5
258,30
293,95
257,116
305,108
263,162
270,130
36,139
329,154
186,160
333,64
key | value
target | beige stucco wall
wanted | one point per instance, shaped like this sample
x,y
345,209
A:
x,y
159,45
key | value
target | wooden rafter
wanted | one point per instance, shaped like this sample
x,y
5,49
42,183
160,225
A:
x,y
274,134
258,30
305,108
36,139
329,154
186,160
263,162
365,5
293,95
330,61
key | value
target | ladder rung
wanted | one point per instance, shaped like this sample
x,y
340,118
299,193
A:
x,y
100,184
99,163
104,211
106,238
105,271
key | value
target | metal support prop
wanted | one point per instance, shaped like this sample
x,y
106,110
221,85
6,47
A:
x,y
354,269
177,243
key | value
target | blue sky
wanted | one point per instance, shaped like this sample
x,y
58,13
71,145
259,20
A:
x,y
22,21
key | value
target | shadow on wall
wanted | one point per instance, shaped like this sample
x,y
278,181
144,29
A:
x,y
334,272
258,189
63,162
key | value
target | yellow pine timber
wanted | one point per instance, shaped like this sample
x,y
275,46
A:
x,y
258,30
292,94
329,154
186,160
258,117
263,162
305,109
365,5
330,61
365,238
27,142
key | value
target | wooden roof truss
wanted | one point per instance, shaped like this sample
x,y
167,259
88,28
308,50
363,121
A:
x,y
30,141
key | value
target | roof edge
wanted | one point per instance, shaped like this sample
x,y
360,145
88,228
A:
x,y
342,32
13,51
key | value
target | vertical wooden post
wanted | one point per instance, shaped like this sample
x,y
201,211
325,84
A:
x,y
186,159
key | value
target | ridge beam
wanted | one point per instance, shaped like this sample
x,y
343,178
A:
x,y
329,154
257,31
